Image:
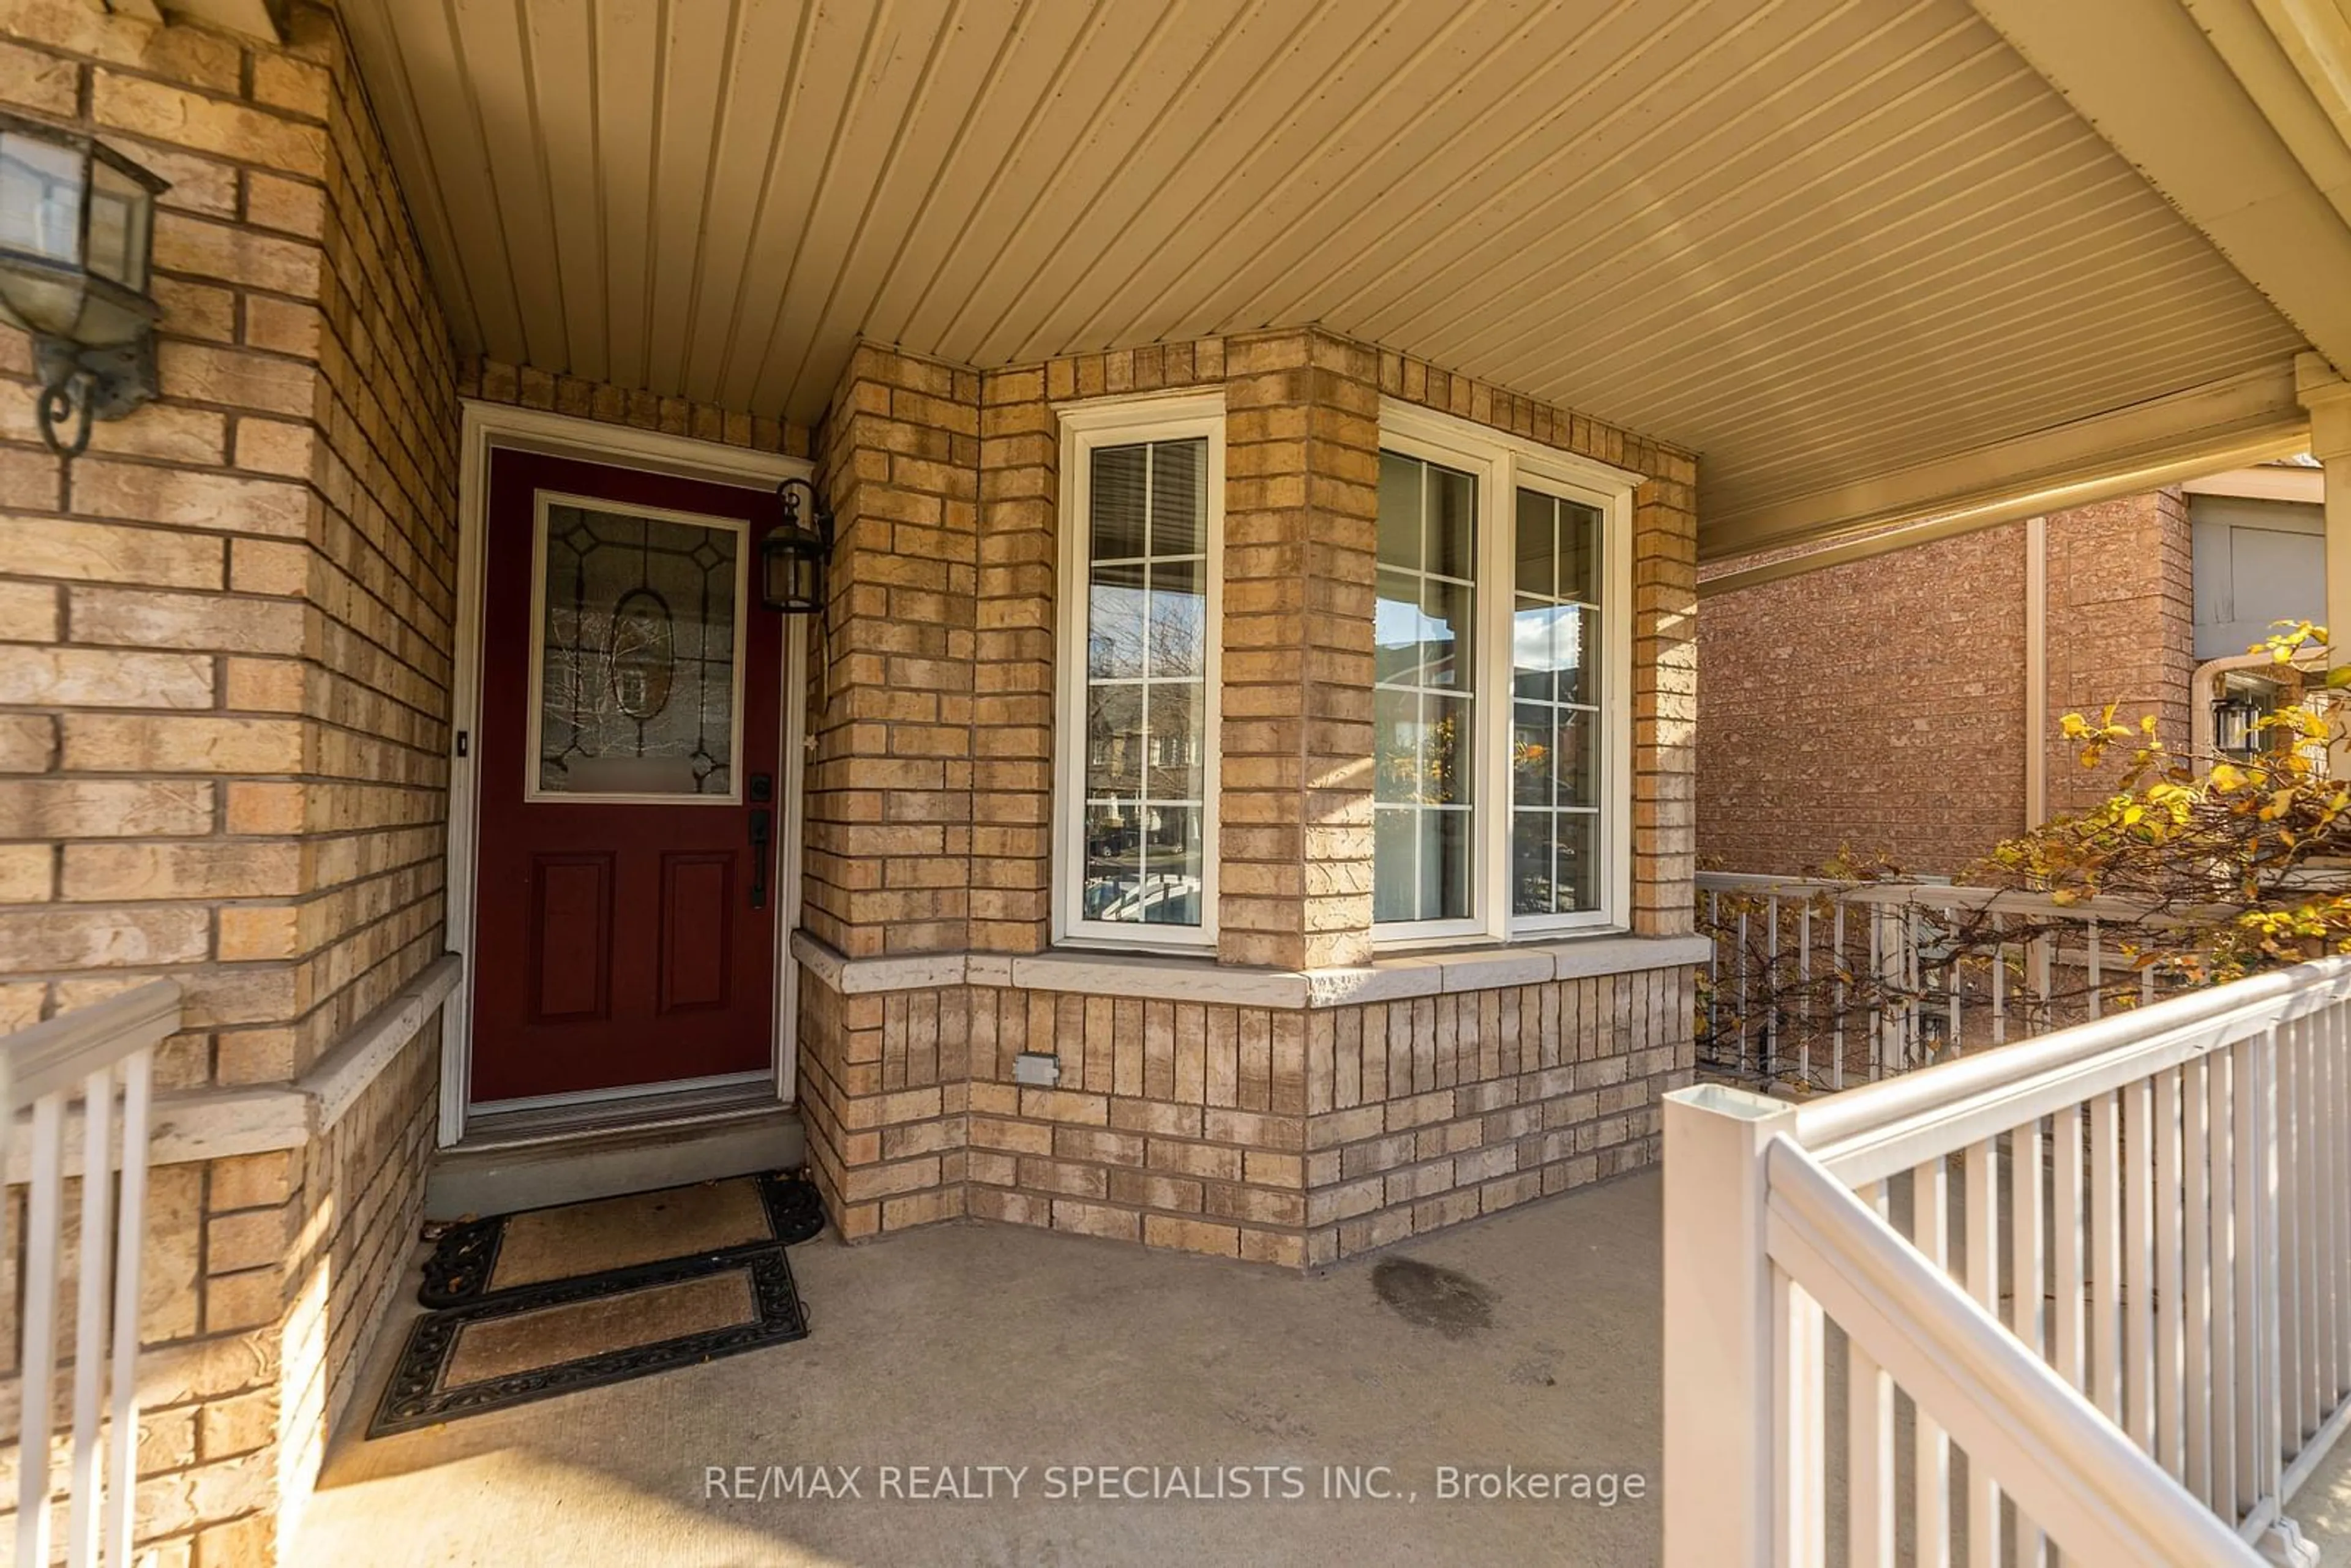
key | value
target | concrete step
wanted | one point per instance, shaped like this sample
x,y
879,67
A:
x,y
529,1160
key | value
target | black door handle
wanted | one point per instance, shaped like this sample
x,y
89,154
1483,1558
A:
x,y
759,824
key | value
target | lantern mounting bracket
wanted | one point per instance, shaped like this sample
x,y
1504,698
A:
x,y
85,384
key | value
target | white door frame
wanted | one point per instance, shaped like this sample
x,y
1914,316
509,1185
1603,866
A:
x,y
489,427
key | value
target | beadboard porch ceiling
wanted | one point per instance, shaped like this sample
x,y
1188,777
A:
x,y
1860,255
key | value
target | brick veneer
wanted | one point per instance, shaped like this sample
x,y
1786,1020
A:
x,y
1847,706
225,640
1292,1135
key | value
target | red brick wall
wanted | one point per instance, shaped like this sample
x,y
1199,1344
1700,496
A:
x,y
1879,707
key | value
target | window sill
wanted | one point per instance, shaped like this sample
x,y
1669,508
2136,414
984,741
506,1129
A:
x,y
1202,979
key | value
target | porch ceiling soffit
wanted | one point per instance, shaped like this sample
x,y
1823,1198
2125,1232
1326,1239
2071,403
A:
x,y
1827,246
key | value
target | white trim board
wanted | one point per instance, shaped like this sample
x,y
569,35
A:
x,y
489,427
1159,977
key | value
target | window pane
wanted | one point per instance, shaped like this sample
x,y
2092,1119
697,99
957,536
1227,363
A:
x,y
1531,745
1179,496
1115,623
1395,745
1452,522
1146,697
1531,863
1395,888
1119,502
1171,868
1444,862
1579,552
1423,723
1179,618
1575,642
1113,850
1399,512
1573,762
1446,771
1537,552
1577,883
1174,727
636,655
1446,646
1556,672
1114,742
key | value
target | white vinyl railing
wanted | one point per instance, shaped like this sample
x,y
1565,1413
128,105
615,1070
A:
x,y
97,1062
2096,1285
1827,984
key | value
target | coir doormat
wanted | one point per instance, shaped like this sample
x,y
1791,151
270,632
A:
x,y
547,1302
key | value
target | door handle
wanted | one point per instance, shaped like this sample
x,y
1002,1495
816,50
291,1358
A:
x,y
761,820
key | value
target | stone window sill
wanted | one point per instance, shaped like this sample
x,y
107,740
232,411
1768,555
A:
x,y
1202,979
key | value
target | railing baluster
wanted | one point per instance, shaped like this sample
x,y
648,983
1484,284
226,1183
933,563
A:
x,y
2196,1277
2138,1266
2171,1441
85,1497
2106,1259
1983,1284
1931,1472
1836,937
1869,1446
2224,1089
2024,1286
1746,999
1771,1057
1804,990
1798,1362
121,1503
2286,1260
2069,1342
1999,982
38,1367
2097,973
2248,1179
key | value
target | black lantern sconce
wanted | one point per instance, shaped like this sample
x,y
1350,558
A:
x,y
793,556
77,233
2236,720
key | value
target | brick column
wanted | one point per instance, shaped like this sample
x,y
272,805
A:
x,y
1012,709
1301,499
1665,698
884,1081
889,786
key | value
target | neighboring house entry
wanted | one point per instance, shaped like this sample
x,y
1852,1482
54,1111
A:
x,y
631,785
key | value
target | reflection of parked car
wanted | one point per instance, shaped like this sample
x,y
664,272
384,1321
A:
x,y
1161,900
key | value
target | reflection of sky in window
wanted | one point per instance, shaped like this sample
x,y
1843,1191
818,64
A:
x,y
1533,634
1396,625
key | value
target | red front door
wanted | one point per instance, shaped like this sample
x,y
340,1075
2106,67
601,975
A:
x,y
625,927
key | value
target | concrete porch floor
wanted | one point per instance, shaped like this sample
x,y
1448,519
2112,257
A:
x,y
977,1344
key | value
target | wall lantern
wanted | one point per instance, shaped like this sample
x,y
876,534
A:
x,y
77,230
792,558
2234,720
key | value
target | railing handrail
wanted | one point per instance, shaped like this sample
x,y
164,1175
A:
x,y
1872,1131
61,1053
2073,1472
1933,895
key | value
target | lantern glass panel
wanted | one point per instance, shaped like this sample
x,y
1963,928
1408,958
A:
x,y
119,215
40,198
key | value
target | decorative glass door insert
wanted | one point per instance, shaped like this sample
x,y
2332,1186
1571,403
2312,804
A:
x,y
636,654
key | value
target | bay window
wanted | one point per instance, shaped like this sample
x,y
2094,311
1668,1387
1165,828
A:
x,y
1501,719
1142,533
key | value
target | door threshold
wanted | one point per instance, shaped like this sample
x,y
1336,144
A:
x,y
513,1126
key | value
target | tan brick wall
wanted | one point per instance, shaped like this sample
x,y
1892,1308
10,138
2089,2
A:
x,y
1263,1133
1282,1135
224,664
1880,705
889,781
527,386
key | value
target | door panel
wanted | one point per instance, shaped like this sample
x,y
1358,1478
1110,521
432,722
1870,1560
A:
x,y
630,733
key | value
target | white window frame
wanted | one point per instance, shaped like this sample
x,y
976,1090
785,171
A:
x,y
1086,426
1502,463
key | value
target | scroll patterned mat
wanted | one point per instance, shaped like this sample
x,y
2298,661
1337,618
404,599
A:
x,y
525,1306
